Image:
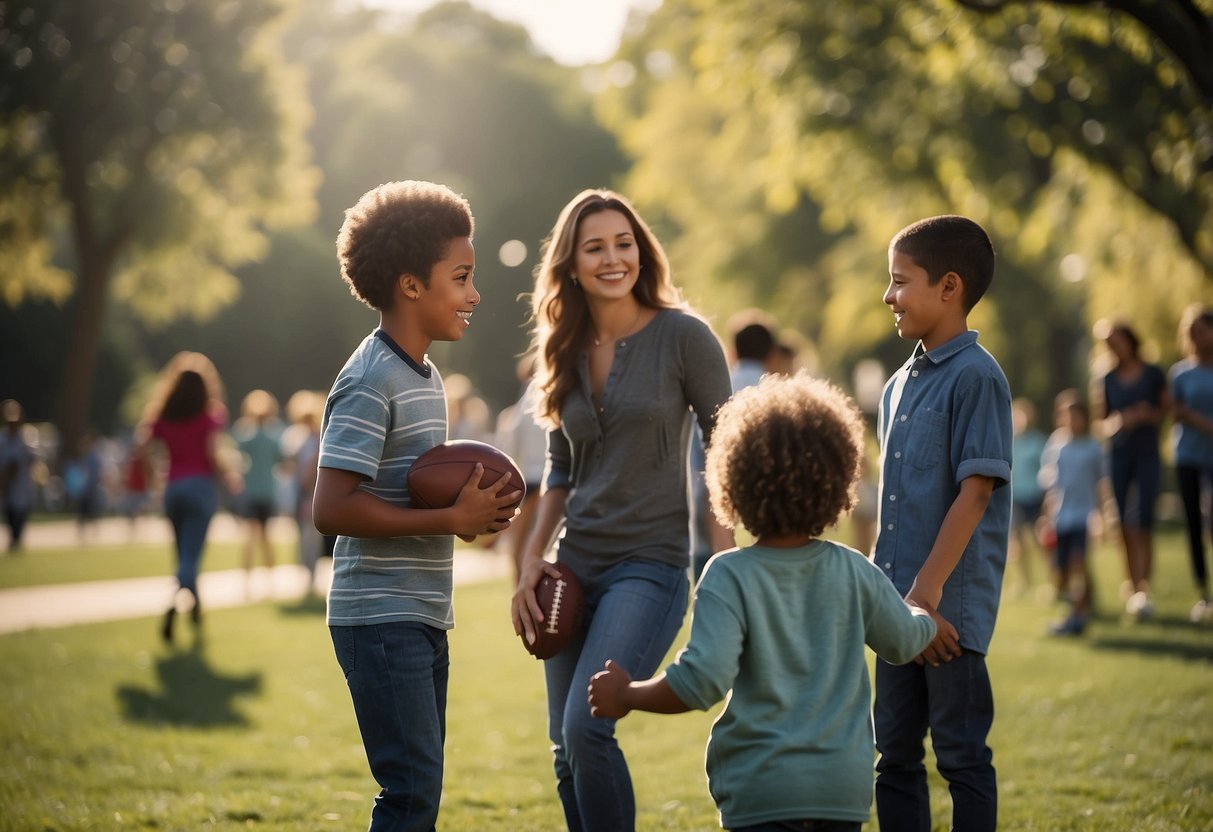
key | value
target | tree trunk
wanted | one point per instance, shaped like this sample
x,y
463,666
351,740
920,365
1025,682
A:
x,y
79,372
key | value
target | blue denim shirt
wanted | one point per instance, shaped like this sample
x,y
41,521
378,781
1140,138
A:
x,y
952,421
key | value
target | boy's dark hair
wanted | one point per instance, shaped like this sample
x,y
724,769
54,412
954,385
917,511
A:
x,y
785,456
398,228
753,342
753,334
950,243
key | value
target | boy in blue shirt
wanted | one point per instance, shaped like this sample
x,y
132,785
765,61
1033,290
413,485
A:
x,y
782,624
945,438
405,250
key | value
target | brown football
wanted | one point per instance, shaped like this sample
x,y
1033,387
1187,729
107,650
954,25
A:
x,y
437,476
561,600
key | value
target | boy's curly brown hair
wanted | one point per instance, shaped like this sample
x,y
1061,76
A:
x,y
785,457
398,228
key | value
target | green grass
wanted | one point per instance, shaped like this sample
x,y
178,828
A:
x,y
103,728
103,562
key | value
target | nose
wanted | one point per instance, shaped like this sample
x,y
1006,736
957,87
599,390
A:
x,y
888,295
475,298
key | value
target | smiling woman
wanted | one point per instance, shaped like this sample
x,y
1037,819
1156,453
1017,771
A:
x,y
574,34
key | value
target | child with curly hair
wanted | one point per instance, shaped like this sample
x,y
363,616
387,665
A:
x,y
782,624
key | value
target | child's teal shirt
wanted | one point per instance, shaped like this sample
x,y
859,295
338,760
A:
x,y
945,416
782,632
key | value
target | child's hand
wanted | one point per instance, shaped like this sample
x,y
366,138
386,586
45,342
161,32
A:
x,y
486,510
606,692
946,644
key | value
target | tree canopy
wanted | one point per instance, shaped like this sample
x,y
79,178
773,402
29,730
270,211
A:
x,y
820,129
144,148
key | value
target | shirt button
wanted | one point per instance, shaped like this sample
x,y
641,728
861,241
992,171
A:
x,y
893,497
890,527
904,417
914,373
888,566
896,454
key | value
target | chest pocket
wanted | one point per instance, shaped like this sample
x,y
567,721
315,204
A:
x,y
926,439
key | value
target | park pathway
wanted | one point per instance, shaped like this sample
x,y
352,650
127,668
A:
x,y
63,605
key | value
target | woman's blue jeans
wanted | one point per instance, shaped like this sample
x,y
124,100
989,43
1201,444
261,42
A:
x,y
190,503
633,612
956,703
397,675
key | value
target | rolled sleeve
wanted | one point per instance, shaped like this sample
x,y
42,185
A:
x,y
980,447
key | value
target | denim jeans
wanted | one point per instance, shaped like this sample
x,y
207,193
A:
x,y
190,503
956,703
397,674
633,612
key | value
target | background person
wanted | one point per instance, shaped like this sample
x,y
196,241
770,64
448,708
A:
x,y
1129,402
1192,409
16,472
187,416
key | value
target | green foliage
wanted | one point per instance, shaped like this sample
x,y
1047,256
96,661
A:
x,y
458,97
172,131
820,129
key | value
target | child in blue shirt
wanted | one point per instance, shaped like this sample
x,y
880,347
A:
x,y
944,427
1071,472
782,624
406,250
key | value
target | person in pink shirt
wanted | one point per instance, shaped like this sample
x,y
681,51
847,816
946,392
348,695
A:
x,y
187,416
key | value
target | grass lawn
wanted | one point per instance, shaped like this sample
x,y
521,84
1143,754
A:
x,y
104,728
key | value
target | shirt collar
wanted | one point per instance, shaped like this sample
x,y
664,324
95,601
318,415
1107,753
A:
x,y
422,370
947,349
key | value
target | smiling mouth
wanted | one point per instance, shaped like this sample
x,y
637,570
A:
x,y
466,317
613,276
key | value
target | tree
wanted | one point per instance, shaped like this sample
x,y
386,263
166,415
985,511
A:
x,y
1071,135
143,148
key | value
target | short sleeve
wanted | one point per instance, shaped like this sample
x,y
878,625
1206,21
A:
x,y
981,433
356,425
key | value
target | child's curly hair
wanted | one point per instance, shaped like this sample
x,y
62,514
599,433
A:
x,y
785,457
398,228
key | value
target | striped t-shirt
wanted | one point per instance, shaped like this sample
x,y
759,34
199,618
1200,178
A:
x,y
383,412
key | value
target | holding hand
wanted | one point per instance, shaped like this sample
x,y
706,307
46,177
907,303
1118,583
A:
x,y
606,692
946,644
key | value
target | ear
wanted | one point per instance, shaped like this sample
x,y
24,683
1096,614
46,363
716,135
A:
x,y
951,286
409,286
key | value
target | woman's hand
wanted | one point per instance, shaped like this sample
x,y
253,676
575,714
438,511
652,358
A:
x,y
524,607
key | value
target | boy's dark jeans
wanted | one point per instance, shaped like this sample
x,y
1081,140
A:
x,y
397,674
956,703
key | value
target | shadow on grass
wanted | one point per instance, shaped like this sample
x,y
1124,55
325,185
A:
x,y
192,694
312,605
1161,636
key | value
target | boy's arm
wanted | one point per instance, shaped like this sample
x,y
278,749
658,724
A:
x,y
958,526
613,694
340,506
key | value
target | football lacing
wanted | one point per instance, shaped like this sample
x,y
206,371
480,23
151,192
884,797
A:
x,y
554,616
